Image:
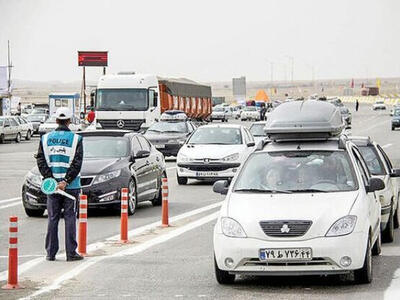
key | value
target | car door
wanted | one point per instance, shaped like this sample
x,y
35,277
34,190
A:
x,y
139,169
151,177
23,126
394,181
7,129
15,128
374,207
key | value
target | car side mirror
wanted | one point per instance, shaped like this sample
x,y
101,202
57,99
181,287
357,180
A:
x,y
221,187
251,144
141,154
395,173
375,184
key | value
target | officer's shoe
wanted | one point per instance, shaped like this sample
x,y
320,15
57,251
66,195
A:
x,y
74,257
50,258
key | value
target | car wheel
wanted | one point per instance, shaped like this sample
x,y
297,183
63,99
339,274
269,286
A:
x,y
223,277
18,137
132,198
377,249
364,275
28,135
388,232
392,128
1,138
181,180
396,217
34,212
157,201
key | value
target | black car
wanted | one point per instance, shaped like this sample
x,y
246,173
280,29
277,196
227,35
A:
x,y
169,136
396,119
112,160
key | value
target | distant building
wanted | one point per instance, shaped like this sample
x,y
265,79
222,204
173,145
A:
x,y
239,88
348,92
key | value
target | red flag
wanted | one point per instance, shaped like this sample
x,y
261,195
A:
x,y
352,83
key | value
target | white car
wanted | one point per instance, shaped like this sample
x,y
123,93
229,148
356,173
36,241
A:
x,y
26,127
214,152
379,104
250,113
257,130
380,166
218,113
51,124
299,207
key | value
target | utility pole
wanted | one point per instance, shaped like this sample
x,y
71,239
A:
x,y
272,74
9,70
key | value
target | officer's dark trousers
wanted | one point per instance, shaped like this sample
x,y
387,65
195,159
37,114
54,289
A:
x,y
55,204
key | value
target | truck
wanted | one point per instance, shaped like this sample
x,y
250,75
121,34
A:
x,y
134,101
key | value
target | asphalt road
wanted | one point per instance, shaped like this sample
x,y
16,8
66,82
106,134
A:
x,y
176,262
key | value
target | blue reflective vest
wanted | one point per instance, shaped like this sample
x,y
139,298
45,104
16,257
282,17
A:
x,y
59,149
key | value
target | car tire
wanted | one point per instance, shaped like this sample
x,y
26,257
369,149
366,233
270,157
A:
x,y
157,201
223,277
377,249
28,135
392,128
388,232
132,198
396,217
364,275
34,212
1,138
181,180
18,137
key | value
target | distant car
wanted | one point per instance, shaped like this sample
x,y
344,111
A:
x,y
250,113
9,130
50,124
395,107
39,111
257,130
396,119
379,104
213,152
218,113
113,159
36,120
26,127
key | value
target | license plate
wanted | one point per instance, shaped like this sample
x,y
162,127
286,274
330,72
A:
x,y
284,254
160,146
206,174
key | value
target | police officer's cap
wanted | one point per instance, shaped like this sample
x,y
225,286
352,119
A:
x,y
63,113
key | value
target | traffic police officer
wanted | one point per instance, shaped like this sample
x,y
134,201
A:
x,y
60,157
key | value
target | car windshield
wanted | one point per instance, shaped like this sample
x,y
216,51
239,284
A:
x,y
122,99
105,147
250,108
372,159
257,130
218,109
38,111
297,171
379,102
217,136
34,118
179,127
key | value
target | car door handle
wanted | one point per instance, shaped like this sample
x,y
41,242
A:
x,y
157,158
147,162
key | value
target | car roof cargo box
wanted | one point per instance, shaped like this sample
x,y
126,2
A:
x,y
299,120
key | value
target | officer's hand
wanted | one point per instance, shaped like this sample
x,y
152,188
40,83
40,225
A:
x,y
61,185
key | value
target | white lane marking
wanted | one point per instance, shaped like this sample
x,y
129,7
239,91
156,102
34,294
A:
x,y
10,200
57,283
393,291
22,268
10,205
386,146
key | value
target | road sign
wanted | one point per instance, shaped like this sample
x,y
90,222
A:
x,y
92,58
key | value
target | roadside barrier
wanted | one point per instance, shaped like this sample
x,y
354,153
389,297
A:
x,y
12,282
124,215
82,238
164,209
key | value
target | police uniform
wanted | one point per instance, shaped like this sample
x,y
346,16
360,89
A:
x,y
60,156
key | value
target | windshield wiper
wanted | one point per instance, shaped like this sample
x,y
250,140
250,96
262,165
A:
x,y
264,191
309,191
155,130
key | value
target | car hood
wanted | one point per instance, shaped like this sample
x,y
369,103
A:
x,y
323,209
396,118
210,151
164,137
94,166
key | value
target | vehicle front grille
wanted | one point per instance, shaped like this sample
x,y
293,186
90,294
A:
x,y
86,181
316,261
287,228
127,124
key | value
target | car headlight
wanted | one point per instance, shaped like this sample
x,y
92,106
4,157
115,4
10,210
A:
x,y
232,228
343,226
231,157
34,179
106,177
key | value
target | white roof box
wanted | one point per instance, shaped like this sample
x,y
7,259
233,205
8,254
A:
x,y
299,120
173,115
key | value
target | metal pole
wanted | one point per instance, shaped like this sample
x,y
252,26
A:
x,y
84,90
9,69
104,70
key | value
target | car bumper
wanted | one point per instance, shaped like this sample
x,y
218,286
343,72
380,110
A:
x,y
169,149
326,253
207,171
396,124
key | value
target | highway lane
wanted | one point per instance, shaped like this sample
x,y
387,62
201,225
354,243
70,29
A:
x,y
182,267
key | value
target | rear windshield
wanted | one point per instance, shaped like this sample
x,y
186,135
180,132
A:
x,y
372,159
257,130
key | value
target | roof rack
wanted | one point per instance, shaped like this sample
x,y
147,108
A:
x,y
308,120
